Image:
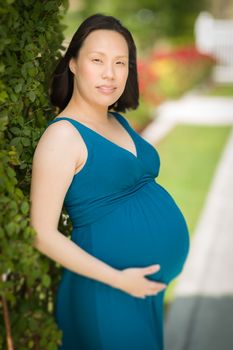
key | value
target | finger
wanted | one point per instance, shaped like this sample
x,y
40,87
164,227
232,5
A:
x,y
158,286
151,269
152,292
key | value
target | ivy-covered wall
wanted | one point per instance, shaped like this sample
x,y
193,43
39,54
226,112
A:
x,y
31,37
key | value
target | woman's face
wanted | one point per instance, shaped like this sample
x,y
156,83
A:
x,y
101,69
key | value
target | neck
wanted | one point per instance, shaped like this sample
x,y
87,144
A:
x,y
86,112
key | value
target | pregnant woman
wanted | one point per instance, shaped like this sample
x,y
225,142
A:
x,y
129,238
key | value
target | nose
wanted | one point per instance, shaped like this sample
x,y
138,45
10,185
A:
x,y
108,71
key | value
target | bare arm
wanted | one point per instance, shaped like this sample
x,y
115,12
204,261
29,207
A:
x,y
53,168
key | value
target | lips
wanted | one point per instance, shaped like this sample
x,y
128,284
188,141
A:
x,y
106,88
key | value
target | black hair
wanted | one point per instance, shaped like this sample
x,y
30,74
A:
x,y
61,83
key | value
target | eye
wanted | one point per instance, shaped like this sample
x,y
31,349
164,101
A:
x,y
123,63
96,60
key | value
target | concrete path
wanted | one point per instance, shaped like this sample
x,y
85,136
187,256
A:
x,y
201,317
198,110
190,109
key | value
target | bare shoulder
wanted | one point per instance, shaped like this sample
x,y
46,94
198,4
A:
x,y
62,129
61,140
64,136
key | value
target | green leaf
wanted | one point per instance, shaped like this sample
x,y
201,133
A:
x,y
24,208
30,344
10,172
15,130
42,296
32,96
42,40
46,280
15,141
13,97
10,228
25,141
18,87
23,166
51,5
3,96
32,72
27,131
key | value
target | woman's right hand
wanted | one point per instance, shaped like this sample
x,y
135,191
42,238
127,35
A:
x,y
132,281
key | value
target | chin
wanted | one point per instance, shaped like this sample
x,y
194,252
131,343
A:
x,y
105,103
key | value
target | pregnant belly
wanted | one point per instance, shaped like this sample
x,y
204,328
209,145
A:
x,y
146,229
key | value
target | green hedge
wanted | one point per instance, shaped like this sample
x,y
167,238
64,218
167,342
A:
x,y
30,43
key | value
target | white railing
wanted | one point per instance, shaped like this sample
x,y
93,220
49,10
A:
x,y
215,36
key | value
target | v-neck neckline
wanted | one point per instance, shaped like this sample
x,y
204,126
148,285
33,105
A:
x,y
105,138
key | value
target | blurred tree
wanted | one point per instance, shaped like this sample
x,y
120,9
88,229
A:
x,y
222,9
150,19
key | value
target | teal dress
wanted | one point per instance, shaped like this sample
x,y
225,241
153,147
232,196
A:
x,y
122,216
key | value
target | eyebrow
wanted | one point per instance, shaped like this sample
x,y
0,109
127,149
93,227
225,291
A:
x,y
102,53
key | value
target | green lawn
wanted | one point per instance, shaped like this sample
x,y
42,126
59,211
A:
x,y
225,90
189,155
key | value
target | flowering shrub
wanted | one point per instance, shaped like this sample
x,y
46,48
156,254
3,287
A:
x,y
168,74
